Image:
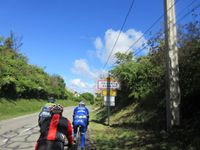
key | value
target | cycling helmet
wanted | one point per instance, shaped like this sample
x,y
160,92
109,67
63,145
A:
x,y
81,104
56,109
51,100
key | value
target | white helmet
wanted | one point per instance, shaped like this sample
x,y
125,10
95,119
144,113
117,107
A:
x,y
81,104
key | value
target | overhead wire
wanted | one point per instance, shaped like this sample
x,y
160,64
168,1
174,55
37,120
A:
x,y
146,31
185,15
139,51
124,22
154,23
178,20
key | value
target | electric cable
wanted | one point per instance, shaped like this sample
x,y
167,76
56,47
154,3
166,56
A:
x,y
130,8
184,16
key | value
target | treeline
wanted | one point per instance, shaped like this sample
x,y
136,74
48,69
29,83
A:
x,y
86,97
143,78
18,79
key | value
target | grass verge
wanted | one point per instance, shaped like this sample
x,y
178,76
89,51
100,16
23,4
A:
x,y
134,130
14,108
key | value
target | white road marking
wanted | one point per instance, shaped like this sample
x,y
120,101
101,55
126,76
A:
x,y
28,129
24,131
5,140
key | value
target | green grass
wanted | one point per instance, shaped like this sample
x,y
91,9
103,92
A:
x,y
14,108
112,138
133,129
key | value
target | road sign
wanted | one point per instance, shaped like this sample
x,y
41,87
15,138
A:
x,y
109,101
112,92
103,84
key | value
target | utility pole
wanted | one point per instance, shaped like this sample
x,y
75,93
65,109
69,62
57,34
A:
x,y
173,97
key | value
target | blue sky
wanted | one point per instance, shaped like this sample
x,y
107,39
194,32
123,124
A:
x,y
73,38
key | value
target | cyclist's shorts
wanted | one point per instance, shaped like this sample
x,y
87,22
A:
x,y
80,122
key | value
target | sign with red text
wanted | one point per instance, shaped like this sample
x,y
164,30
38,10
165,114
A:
x,y
104,84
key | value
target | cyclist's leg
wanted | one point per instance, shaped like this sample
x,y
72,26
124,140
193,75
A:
x,y
75,127
83,132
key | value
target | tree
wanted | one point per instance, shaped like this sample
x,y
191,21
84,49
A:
x,y
88,97
18,79
123,57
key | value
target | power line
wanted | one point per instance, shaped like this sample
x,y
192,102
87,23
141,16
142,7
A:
x,y
154,23
130,8
184,16
139,51
193,9
186,7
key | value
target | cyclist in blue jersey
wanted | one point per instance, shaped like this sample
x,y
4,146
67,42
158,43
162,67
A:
x,y
81,119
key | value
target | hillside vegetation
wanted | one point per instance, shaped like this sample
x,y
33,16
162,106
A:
x,y
19,79
138,120
24,87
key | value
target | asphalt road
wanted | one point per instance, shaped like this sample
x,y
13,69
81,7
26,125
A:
x,y
21,133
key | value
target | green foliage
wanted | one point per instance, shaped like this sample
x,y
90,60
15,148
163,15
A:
x,y
99,100
123,58
144,78
138,79
18,79
189,64
143,85
88,97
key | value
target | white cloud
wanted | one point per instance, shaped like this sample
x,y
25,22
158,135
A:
x,y
82,68
98,43
124,42
81,86
77,83
103,50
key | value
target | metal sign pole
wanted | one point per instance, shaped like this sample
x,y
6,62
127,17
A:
x,y
108,98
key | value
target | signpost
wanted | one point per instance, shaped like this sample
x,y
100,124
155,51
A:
x,y
108,89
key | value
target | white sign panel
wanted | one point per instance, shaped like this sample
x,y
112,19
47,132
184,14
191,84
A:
x,y
103,84
109,103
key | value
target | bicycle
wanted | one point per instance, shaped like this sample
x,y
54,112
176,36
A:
x,y
80,140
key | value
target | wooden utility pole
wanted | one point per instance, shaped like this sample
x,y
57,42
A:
x,y
172,75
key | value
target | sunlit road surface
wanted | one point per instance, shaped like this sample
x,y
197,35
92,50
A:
x,y
21,133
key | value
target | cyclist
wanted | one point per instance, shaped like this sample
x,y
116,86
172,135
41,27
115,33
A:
x,y
45,110
54,130
81,118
